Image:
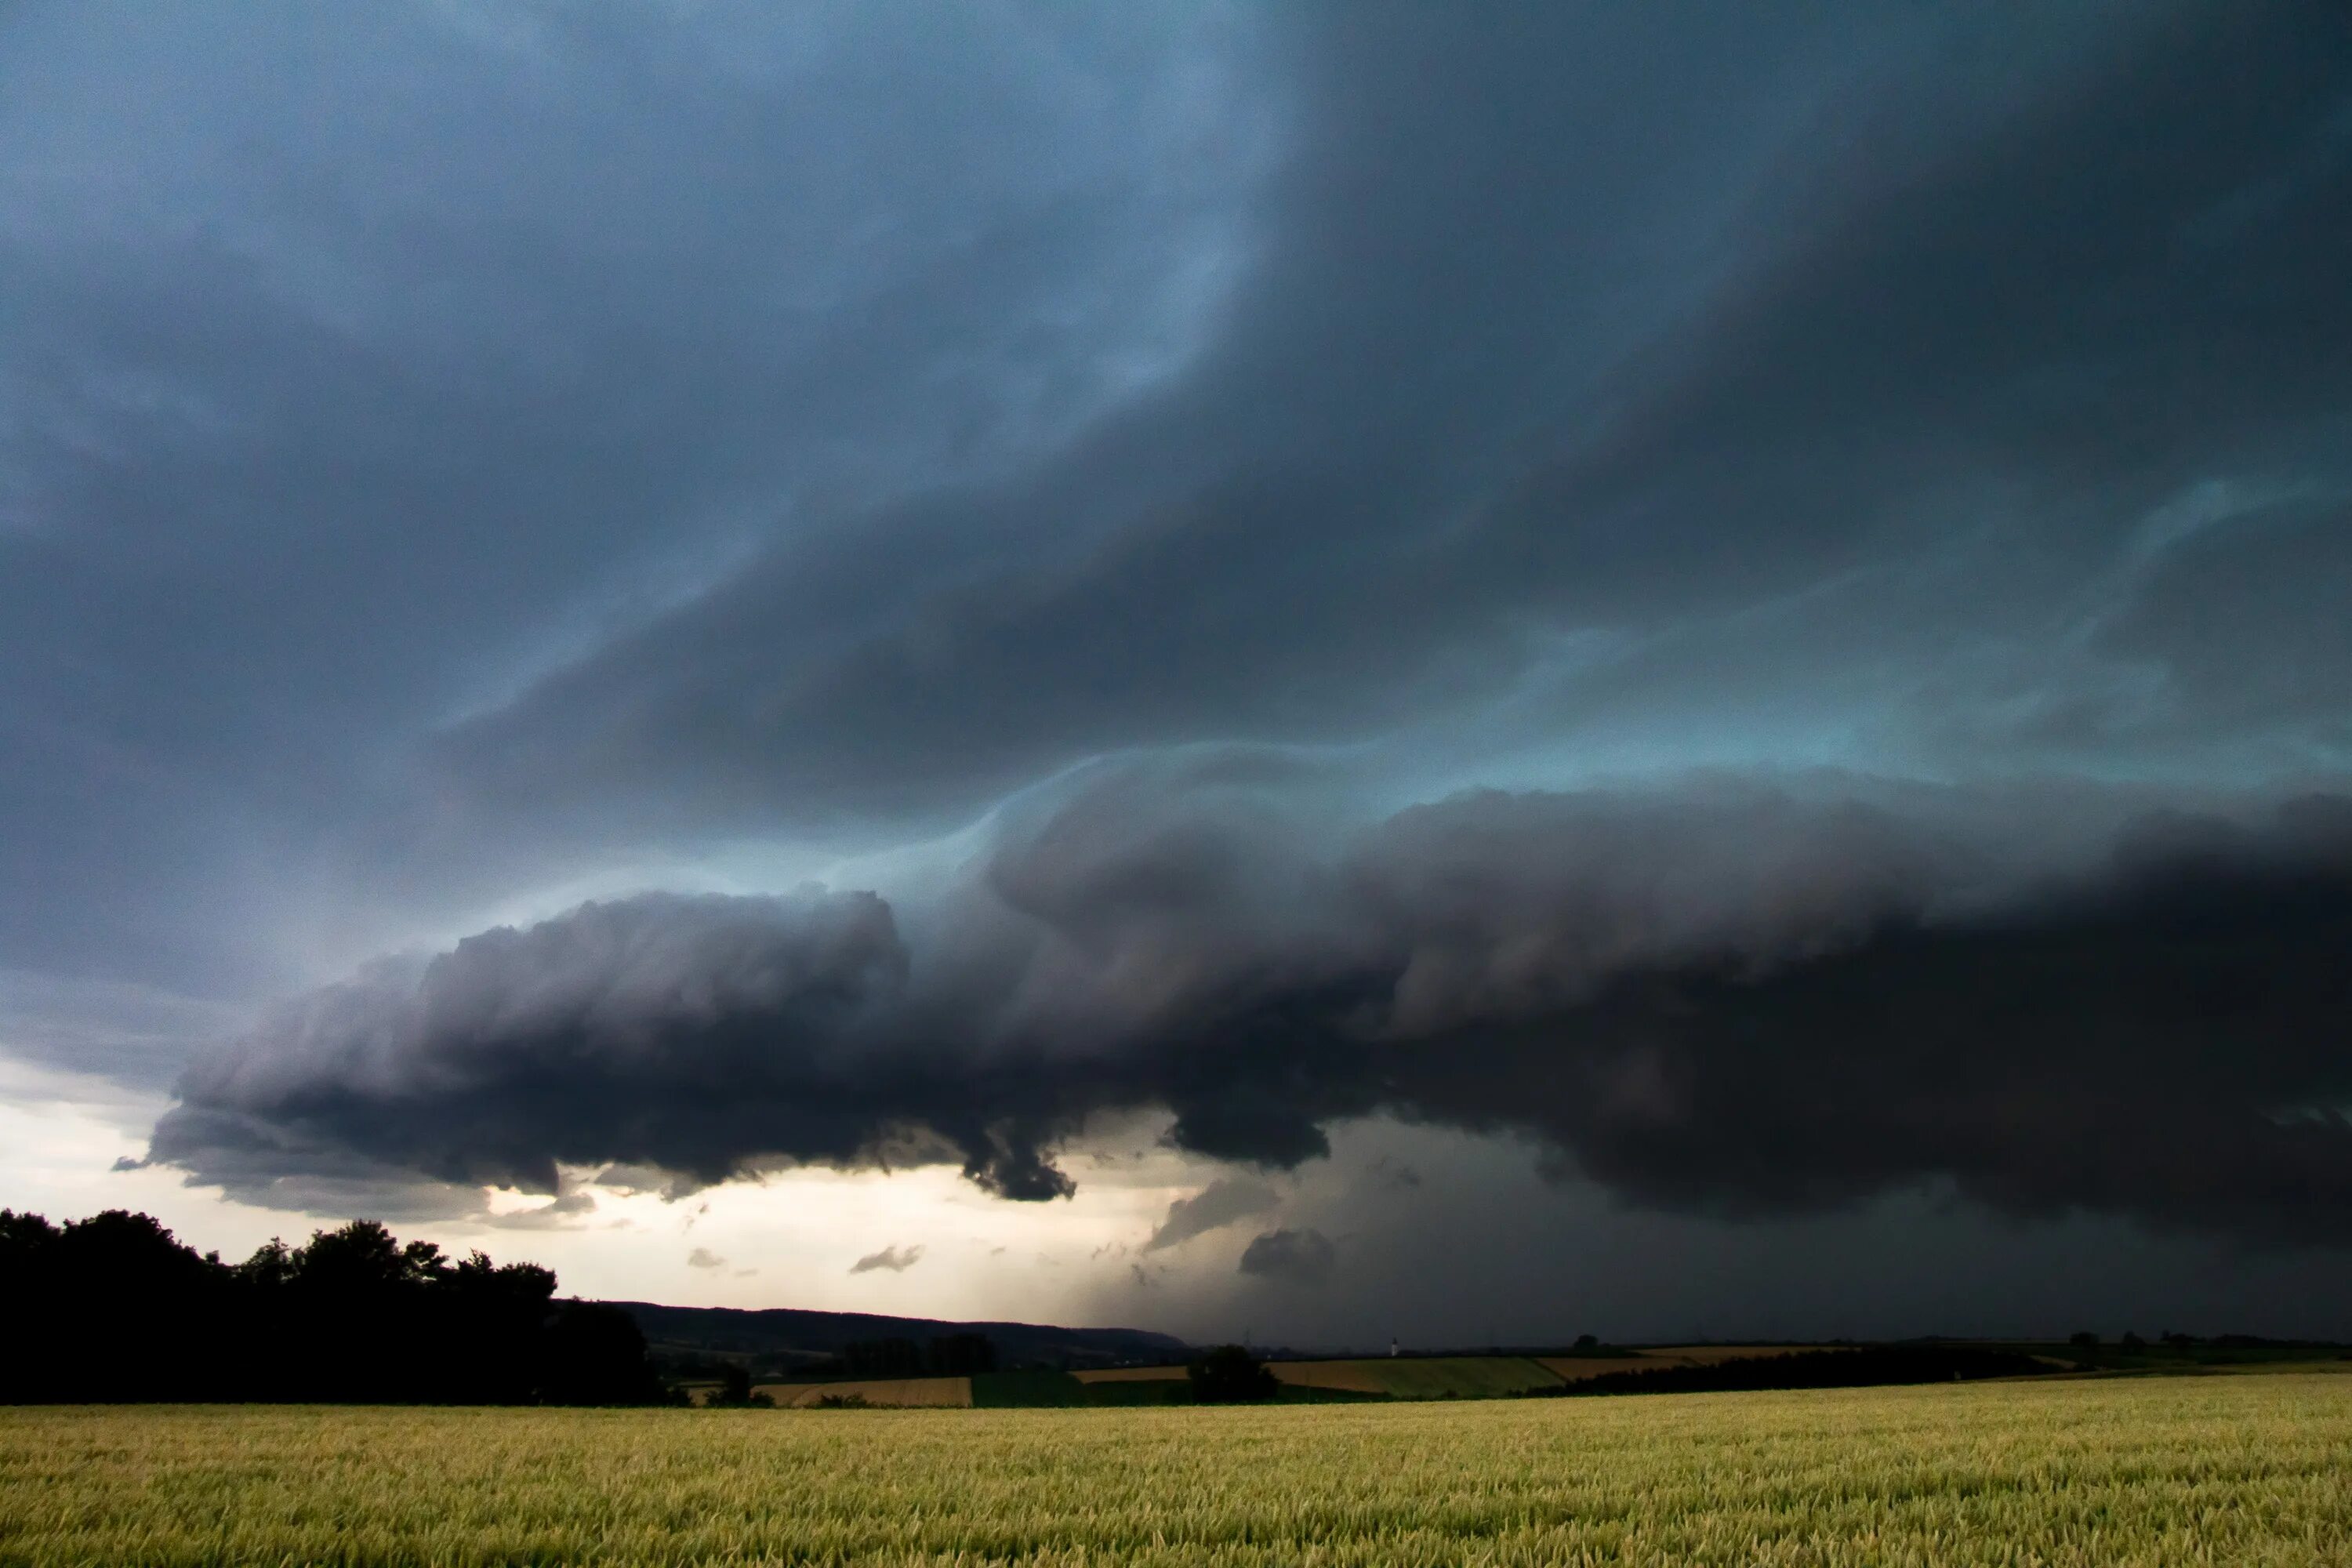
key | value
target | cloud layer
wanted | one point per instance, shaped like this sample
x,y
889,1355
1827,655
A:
x,y
1754,599
1729,1000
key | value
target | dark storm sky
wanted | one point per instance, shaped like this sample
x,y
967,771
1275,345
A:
x,y
1751,605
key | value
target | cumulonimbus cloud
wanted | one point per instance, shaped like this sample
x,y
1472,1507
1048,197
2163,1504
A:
x,y
1736,1001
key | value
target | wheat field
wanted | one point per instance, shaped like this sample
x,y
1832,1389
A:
x,y
2239,1469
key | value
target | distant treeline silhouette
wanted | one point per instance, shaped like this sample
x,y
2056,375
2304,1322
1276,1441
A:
x,y
1867,1367
115,1308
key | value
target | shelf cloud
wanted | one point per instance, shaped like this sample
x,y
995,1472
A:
x,y
1756,602
1735,1001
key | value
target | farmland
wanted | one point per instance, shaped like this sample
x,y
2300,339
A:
x,y
1408,1377
2244,1468
1361,1377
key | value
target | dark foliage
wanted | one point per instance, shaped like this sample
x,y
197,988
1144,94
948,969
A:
x,y
115,1308
1870,1367
1231,1376
734,1390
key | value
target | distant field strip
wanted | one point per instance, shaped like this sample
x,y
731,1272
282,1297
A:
x,y
2239,1470
1129,1373
1712,1355
1576,1368
1464,1377
916,1392
1420,1377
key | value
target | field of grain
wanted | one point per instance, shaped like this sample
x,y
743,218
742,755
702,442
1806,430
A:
x,y
2244,1469
1577,1368
914,1392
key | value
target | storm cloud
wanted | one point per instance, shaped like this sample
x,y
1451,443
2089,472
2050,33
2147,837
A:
x,y
1735,1001
1752,599
1290,1257
1224,1202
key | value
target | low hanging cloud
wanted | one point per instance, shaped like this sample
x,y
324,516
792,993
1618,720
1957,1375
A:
x,y
703,1258
1726,1000
1221,1203
1290,1257
896,1259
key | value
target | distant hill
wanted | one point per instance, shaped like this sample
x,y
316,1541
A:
x,y
782,1335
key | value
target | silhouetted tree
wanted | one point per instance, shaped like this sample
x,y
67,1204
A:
x,y
1229,1375
115,1307
734,1390
595,1354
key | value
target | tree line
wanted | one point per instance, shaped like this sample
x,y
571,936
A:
x,y
116,1308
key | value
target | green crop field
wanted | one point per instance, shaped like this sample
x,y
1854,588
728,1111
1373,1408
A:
x,y
2242,1469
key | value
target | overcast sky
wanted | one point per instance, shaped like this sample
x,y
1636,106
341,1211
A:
x,y
1475,672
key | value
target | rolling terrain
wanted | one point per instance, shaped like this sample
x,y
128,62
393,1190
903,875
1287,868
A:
x,y
2076,1472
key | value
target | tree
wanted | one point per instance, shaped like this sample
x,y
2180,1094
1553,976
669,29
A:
x,y
2083,1340
271,1265
362,1259
1229,1375
734,1390
595,1354
353,1315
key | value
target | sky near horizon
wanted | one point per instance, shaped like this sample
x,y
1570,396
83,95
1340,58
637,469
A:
x,y
1331,671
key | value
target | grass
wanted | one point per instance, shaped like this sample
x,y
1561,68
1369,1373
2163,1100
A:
x,y
2244,1469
